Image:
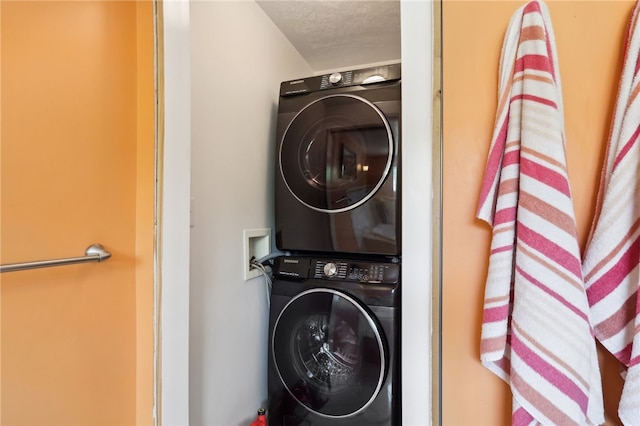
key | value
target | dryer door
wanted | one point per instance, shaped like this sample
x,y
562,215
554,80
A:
x,y
329,352
336,153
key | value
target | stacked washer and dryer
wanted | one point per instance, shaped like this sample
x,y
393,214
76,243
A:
x,y
334,323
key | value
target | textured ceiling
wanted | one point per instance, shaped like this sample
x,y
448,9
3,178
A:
x,y
337,34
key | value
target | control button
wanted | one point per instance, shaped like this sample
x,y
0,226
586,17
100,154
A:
x,y
335,78
330,269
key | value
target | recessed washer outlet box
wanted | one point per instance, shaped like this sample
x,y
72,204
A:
x,y
257,243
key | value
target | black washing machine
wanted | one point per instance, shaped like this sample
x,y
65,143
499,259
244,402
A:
x,y
334,340
337,187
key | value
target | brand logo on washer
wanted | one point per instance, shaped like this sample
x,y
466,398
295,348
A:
x,y
291,83
290,260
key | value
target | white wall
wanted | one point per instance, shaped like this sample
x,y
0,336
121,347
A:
x,y
172,406
238,59
417,215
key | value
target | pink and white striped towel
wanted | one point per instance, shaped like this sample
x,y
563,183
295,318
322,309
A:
x,y
536,332
611,264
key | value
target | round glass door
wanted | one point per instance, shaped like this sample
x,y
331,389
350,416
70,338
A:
x,y
329,353
336,153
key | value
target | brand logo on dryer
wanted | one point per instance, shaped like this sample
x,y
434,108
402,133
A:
x,y
290,260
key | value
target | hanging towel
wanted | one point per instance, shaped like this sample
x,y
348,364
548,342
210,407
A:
x,y
612,258
536,332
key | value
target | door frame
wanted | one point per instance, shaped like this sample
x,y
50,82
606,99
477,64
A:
x,y
421,223
173,159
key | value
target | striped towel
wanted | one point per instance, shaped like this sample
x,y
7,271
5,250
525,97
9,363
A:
x,y
536,332
611,262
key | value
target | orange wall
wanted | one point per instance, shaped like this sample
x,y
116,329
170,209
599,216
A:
x,y
76,340
589,37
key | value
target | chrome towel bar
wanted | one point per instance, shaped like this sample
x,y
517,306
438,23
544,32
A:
x,y
93,253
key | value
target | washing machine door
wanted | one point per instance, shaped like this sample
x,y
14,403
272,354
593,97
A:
x,y
336,153
329,352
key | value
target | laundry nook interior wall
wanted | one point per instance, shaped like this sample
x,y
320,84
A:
x,y
238,58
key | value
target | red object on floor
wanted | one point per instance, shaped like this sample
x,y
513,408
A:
x,y
261,419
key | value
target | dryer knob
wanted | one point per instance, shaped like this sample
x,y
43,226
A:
x,y
335,78
330,269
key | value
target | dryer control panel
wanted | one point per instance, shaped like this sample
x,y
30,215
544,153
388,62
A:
x,y
358,77
337,270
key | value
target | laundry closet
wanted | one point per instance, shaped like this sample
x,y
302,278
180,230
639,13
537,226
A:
x,y
238,60
589,43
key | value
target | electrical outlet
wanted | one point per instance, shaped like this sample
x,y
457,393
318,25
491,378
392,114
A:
x,y
257,244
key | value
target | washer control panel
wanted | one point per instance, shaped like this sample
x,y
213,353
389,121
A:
x,y
367,272
301,268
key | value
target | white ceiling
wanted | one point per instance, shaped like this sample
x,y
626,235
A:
x,y
337,34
